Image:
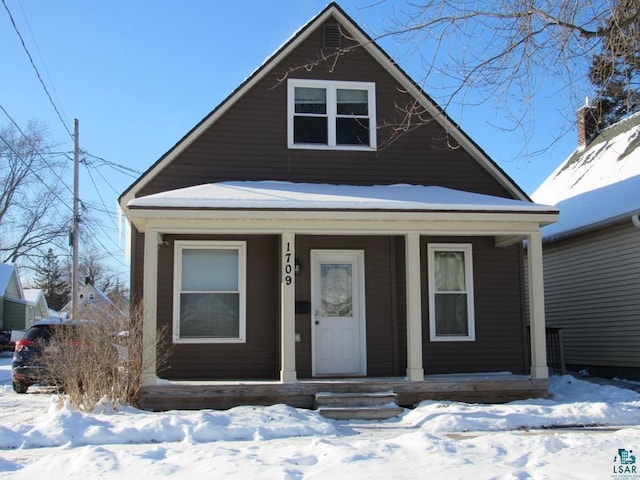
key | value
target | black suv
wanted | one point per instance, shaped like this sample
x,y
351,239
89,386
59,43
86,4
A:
x,y
27,365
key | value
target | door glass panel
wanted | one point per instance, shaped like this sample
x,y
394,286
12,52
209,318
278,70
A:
x,y
336,290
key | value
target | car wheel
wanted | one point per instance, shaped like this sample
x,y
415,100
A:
x,y
20,387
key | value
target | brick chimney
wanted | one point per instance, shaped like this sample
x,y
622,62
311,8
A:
x,y
587,125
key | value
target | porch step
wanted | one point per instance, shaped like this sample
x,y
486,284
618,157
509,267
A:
x,y
358,406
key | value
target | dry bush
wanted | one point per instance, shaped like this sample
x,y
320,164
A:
x,y
100,358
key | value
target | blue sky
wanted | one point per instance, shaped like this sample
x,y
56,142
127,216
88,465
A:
x,y
139,74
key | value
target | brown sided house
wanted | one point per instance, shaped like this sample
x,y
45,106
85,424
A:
x,y
290,243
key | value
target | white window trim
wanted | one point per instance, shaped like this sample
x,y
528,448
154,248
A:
x,y
241,247
331,87
468,267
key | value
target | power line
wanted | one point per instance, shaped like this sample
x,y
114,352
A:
x,y
35,42
46,90
100,195
35,174
90,228
15,124
116,166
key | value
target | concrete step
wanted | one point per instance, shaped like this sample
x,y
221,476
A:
x,y
360,399
361,413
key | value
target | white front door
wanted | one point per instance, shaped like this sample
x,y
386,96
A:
x,y
338,316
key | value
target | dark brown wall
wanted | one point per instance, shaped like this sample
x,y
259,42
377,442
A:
x,y
258,358
498,313
249,142
499,320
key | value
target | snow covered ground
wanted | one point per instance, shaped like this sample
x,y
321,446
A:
x,y
437,440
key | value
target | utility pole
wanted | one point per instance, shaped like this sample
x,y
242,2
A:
x,y
76,219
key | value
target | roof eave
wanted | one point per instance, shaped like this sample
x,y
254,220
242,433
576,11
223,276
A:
x,y
592,227
382,219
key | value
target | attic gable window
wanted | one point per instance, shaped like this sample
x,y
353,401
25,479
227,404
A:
x,y
331,115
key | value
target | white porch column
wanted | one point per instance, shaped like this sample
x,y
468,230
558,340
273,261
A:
x,y
415,372
287,308
150,305
539,367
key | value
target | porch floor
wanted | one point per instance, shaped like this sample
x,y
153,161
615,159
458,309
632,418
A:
x,y
219,395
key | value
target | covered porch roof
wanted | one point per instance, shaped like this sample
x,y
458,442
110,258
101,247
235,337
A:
x,y
270,195
271,206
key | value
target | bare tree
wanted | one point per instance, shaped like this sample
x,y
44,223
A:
x,y
502,52
30,195
508,51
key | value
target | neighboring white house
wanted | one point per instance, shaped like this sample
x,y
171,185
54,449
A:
x,y
90,300
592,254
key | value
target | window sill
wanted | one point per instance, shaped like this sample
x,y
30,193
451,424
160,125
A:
x,y
452,339
208,340
349,148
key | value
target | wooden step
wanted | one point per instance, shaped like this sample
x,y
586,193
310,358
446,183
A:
x,y
360,406
360,413
360,399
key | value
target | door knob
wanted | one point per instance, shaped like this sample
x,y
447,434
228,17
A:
x,y
317,322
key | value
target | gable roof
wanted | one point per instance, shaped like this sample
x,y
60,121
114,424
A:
x,y
9,277
598,185
33,295
36,296
332,10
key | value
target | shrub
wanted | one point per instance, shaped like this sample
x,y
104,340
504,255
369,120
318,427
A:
x,y
100,358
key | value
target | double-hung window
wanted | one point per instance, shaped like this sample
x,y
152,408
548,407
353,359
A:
x,y
209,292
331,115
451,313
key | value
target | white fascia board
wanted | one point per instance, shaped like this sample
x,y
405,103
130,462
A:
x,y
340,223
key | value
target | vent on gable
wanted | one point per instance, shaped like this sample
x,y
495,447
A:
x,y
331,36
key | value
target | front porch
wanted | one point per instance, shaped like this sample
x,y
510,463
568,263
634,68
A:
x,y
472,388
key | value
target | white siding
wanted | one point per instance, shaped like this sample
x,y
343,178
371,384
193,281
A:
x,y
592,291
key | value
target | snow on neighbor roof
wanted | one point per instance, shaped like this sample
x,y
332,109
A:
x,y
32,294
5,275
293,196
595,208
612,156
597,185
8,271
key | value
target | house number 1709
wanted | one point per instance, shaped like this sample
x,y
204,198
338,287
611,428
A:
x,y
288,268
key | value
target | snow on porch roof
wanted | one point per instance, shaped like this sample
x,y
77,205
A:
x,y
269,195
